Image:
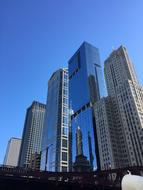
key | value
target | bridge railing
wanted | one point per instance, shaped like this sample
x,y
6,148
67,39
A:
x,y
102,178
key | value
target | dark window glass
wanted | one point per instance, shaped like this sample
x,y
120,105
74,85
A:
x,y
64,156
64,169
64,143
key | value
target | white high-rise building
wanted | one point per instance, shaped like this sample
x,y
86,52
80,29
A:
x,y
12,152
125,132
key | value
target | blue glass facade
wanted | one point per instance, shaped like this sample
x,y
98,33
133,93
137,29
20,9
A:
x,y
86,86
55,133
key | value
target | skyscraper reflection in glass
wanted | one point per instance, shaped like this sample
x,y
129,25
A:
x,y
86,86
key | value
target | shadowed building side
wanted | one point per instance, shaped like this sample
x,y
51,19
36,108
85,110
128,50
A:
x,y
32,134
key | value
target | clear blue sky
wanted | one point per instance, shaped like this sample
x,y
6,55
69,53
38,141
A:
x,y
39,36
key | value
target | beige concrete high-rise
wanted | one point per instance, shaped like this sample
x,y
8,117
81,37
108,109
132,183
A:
x,y
12,152
112,154
118,70
125,130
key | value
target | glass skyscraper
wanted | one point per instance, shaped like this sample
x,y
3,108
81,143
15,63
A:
x,y
55,133
85,88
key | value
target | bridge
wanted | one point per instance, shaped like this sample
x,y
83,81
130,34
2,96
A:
x,y
15,178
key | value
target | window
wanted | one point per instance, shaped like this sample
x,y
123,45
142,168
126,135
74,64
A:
x,y
65,77
64,143
65,84
65,92
65,110
64,169
65,101
65,120
65,131
64,156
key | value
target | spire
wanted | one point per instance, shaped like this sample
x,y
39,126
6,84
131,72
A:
x,y
79,145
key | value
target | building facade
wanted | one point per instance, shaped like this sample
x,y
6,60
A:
x,y
125,133
32,134
85,88
12,152
35,161
55,155
108,135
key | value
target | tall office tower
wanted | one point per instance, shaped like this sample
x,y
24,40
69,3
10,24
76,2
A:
x,y
32,134
12,152
85,88
127,102
108,136
55,134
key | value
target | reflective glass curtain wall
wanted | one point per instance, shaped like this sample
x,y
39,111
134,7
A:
x,y
85,88
55,133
